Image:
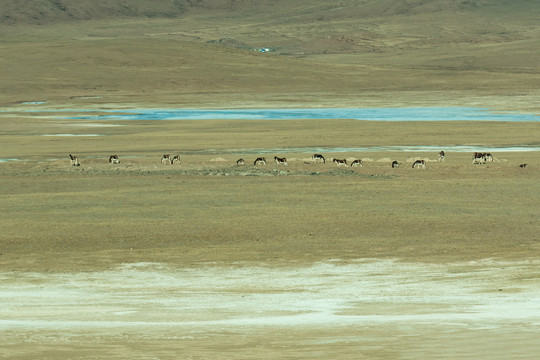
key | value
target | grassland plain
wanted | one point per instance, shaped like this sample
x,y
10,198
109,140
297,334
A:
x,y
210,206
59,220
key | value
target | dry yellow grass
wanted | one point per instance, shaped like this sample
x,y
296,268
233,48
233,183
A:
x,y
208,207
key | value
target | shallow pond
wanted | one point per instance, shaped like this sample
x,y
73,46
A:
x,y
374,114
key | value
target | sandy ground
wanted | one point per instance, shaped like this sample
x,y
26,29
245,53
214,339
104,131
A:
x,y
363,308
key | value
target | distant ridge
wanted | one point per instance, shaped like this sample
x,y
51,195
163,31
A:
x,y
51,11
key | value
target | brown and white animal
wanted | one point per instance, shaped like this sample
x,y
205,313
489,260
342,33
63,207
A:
x,y
482,158
280,161
523,166
240,162
441,156
419,163
340,162
175,158
479,158
166,159
395,164
114,159
318,157
74,160
357,163
259,161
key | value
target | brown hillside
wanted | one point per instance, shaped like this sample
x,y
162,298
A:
x,y
181,51
49,11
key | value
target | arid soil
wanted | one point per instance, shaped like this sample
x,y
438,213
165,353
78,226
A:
x,y
368,308
209,259
150,260
207,207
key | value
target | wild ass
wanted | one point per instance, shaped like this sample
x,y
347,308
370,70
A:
x,y
166,159
259,161
482,158
340,162
419,163
318,157
441,156
280,161
74,160
114,159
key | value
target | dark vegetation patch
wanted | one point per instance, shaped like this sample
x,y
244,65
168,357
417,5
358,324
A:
x,y
237,170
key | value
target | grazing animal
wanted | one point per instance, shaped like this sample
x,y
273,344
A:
x,y
240,162
318,157
114,159
340,162
419,163
175,158
441,156
395,164
479,158
259,161
523,166
74,160
482,158
357,163
166,159
280,160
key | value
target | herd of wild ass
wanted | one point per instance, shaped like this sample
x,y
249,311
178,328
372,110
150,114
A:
x,y
478,158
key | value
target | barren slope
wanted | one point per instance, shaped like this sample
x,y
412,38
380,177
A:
x,y
418,53
355,53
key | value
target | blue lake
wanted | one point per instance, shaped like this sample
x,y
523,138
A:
x,y
373,114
